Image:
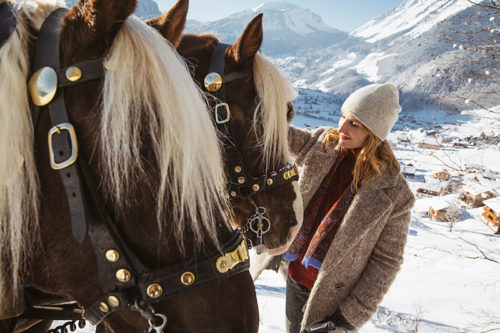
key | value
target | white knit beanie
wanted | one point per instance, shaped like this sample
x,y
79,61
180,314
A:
x,y
376,106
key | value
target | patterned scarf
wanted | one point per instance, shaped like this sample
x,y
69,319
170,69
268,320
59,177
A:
x,y
317,238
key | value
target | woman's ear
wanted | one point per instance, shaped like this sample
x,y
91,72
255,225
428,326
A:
x,y
91,26
171,24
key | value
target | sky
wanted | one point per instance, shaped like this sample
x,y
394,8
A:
x,y
345,15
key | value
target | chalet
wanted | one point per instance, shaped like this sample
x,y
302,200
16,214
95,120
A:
x,y
439,211
442,175
431,188
408,171
492,211
475,195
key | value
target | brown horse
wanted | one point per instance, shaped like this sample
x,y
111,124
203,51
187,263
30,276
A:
x,y
259,110
155,159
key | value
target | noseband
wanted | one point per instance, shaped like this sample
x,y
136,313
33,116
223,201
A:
x,y
126,281
241,182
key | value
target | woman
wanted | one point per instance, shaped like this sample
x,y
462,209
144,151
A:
x,y
350,246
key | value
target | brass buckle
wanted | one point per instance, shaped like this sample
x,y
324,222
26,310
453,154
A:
x,y
74,146
291,173
231,259
218,120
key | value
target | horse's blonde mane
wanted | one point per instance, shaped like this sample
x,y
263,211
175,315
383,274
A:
x,y
274,91
148,86
18,177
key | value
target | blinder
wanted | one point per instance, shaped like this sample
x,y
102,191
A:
x,y
126,281
8,21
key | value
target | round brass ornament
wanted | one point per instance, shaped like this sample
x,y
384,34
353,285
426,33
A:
x,y
269,181
112,255
123,275
187,278
73,73
255,187
43,86
241,180
213,82
233,194
114,301
237,169
103,307
154,290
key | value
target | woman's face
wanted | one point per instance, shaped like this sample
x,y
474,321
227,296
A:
x,y
352,134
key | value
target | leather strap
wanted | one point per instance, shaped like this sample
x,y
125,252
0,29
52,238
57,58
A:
x,y
8,21
47,54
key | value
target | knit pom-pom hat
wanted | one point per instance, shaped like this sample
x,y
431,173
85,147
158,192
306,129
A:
x,y
376,106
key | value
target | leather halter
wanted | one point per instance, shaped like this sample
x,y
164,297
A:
x,y
241,182
126,281
8,21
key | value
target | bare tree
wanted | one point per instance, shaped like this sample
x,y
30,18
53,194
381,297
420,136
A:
x,y
469,69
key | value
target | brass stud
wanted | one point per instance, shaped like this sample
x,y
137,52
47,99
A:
x,y
213,82
103,307
255,187
187,278
227,196
73,73
237,169
114,301
112,255
233,194
154,290
241,180
123,275
269,181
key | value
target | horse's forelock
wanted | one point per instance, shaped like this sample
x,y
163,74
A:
x,y
275,92
153,90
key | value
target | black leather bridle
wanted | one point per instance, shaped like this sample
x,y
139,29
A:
x,y
126,281
242,184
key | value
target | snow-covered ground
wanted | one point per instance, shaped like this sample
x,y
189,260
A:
x,y
450,280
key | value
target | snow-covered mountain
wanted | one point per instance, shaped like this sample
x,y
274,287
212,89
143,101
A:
x,y
412,46
288,28
146,9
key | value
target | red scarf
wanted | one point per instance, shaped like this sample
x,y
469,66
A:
x,y
322,218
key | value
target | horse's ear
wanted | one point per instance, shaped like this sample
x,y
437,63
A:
x,y
94,23
171,24
247,46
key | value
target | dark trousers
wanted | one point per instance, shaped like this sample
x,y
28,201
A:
x,y
296,298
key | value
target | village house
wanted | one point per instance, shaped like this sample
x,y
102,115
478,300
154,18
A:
x,y
442,175
439,210
475,194
492,211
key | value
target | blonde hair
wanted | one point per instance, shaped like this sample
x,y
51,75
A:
x,y
275,92
153,90
374,158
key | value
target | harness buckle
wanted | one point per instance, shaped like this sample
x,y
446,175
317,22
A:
x,y
287,175
224,117
74,146
231,259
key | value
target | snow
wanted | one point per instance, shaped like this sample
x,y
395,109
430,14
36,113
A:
x,y
493,203
445,284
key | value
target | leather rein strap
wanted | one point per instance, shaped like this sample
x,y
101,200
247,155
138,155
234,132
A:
x,y
126,281
241,182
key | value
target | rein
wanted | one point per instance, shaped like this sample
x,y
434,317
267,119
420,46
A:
x,y
125,280
241,182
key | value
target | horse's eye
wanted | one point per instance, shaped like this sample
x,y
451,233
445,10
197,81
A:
x,y
291,112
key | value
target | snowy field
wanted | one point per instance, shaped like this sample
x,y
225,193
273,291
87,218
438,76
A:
x,y
450,280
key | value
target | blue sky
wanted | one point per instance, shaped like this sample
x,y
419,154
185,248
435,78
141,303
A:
x,y
344,15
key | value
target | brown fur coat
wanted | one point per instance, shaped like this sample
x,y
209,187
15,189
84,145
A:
x,y
367,250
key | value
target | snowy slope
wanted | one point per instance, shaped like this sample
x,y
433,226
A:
x,y
288,28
